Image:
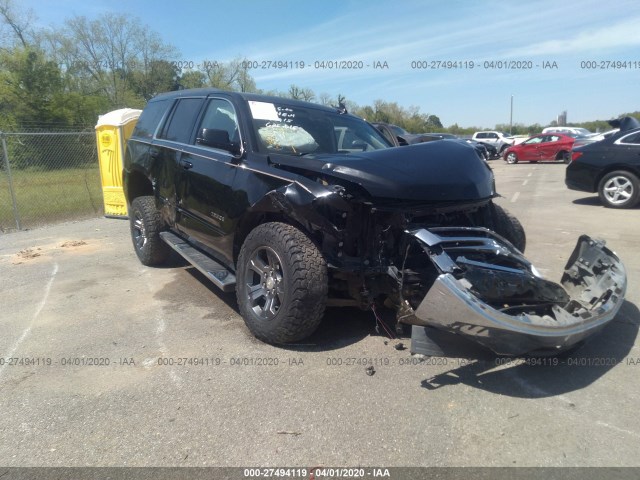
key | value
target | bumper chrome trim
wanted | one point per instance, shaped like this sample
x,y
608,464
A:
x,y
594,284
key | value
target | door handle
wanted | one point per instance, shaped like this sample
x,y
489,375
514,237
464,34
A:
x,y
186,165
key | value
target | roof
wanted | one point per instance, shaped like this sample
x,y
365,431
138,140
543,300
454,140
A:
x,y
243,95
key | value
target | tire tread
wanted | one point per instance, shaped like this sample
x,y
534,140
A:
x,y
307,286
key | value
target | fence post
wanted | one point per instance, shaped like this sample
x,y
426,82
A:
x,y
16,215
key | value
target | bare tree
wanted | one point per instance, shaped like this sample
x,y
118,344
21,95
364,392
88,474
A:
x,y
113,55
18,21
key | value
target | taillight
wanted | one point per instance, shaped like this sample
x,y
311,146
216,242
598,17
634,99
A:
x,y
575,156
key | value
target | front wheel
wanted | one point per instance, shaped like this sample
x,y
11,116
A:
x,y
508,226
282,283
619,189
511,158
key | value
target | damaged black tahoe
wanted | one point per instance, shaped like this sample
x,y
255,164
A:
x,y
298,206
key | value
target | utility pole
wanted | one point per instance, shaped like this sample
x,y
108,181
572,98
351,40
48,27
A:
x,y
511,117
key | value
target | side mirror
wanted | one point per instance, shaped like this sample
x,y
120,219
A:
x,y
360,145
211,137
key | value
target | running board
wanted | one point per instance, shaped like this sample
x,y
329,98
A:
x,y
219,275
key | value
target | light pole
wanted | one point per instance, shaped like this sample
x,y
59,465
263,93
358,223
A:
x,y
511,116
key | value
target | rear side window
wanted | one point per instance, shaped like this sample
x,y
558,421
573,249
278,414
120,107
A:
x,y
150,118
633,139
182,119
220,115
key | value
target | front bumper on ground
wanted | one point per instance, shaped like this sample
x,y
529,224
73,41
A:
x,y
488,292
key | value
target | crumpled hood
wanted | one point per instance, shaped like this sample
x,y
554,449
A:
x,y
440,171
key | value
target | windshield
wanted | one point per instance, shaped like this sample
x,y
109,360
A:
x,y
292,129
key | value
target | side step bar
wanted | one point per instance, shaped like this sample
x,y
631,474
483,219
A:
x,y
219,275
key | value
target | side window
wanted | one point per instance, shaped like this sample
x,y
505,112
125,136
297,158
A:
x,y
492,135
632,139
220,115
181,123
150,118
553,138
386,134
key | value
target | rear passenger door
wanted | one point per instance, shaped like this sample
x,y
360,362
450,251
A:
x,y
166,152
207,171
549,147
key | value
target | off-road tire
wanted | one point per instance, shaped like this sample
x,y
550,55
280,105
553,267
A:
x,y
146,224
628,184
281,265
508,226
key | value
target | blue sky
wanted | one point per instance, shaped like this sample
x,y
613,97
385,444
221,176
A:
x,y
537,33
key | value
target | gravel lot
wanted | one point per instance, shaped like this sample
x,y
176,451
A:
x,y
75,294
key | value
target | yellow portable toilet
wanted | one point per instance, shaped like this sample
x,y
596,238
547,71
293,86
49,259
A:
x,y
112,131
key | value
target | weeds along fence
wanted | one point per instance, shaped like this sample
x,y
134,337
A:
x,y
48,177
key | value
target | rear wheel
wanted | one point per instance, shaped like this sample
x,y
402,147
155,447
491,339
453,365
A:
x,y
282,283
511,158
508,226
619,189
146,224
565,157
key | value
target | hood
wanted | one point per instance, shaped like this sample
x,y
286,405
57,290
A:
x,y
443,171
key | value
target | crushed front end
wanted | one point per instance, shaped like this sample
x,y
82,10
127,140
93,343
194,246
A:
x,y
486,291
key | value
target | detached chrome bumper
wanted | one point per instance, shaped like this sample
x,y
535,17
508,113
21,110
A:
x,y
488,292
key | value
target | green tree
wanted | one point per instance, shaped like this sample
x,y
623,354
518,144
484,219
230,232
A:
x,y
30,89
115,56
193,79
158,76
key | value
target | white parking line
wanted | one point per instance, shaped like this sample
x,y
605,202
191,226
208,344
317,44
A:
x,y
27,330
525,182
515,197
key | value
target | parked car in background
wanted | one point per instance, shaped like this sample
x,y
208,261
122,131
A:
x,y
398,137
501,141
594,137
551,147
482,148
517,139
491,149
395,135
565,130
610,167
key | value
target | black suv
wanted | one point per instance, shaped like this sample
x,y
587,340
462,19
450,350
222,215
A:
x,y
298,206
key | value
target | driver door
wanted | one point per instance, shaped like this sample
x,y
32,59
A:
x,y
204,185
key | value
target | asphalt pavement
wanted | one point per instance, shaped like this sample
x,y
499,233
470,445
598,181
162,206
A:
x,y
110,363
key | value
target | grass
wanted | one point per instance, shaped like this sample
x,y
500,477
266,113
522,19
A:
x,y
50,196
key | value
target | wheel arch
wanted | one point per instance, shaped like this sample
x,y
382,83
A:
x,y
137,184
253,219
611,168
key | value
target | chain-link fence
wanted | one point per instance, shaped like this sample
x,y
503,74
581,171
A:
x,y
48,177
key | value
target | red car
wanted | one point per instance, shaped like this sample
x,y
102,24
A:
x,y
546,147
